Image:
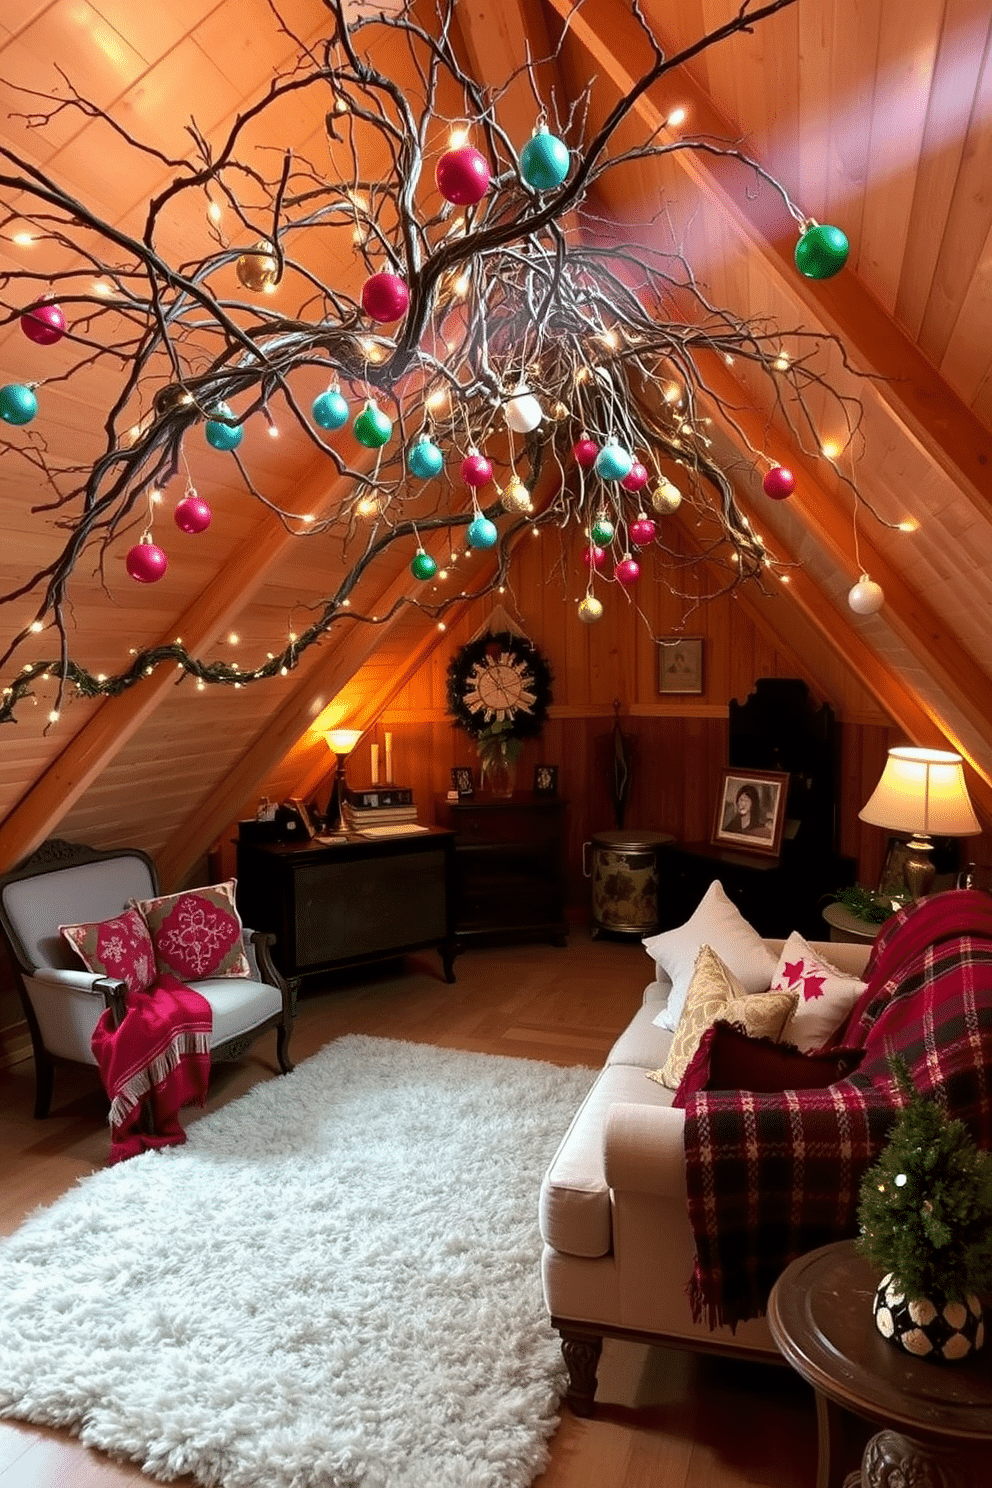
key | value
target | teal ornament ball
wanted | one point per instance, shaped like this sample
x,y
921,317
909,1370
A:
x,y
18,404
544,161
602,531
613,462
372,427
329,410
223,436
424,459
482,533
821,251
423,565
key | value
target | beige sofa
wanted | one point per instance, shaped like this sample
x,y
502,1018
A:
x,y
618,1250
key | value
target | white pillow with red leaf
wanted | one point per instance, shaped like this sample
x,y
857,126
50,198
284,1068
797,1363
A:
x,y
826,995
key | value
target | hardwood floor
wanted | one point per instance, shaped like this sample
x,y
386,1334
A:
x,y
663,1417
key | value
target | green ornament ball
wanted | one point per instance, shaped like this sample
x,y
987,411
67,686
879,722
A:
x,y
544,161
18,404
821,251
423,565
372,427
222,436
602,532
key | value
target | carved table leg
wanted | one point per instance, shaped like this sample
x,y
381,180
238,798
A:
x,y
892,1460
581,1354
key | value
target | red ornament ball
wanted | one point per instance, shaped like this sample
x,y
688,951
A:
x,y
585,452
476,470
462,176
594,555
146,563
635,478
628,570
385,297
192,514
779,483
642,531
44,325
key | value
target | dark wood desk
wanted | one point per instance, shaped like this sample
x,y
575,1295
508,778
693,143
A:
x,y
349,903
937,1418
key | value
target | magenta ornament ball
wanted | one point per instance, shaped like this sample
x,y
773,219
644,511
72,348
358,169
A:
x,y
463,176
628,570
146,563
44,325
635,478
476,470
643,531
778,483
594,555
192,514
585,452
385,297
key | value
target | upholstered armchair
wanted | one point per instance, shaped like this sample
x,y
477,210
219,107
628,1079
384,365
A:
x,y
68,884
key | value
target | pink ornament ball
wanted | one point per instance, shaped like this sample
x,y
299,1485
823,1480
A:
x,y
643,531
476,470
635,478
192,514
628,570
385,297
594,556
462,176
146,563
778,483
44,325
585,452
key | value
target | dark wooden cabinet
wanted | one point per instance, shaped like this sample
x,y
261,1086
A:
x,y
775,895
346,904
509,870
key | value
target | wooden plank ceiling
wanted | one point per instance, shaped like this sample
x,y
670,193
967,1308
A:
x,y
875,115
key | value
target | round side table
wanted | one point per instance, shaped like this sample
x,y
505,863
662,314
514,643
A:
x,y
847,926
936,1418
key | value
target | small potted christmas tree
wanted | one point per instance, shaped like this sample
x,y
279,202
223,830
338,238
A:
x,y
925,1213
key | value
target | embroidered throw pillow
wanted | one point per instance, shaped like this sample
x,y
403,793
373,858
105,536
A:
x,y
120,948
826,995
718,923
714,992
728,1059
197,934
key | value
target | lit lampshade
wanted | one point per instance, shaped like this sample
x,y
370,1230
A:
x,y
922,791
340,742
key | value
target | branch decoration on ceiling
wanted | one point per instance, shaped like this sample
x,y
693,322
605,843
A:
x,y
493,359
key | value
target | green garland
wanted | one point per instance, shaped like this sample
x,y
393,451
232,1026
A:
x,y
869,905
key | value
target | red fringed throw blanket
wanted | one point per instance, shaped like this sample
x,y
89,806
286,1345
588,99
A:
x,y
162,1051
772,1176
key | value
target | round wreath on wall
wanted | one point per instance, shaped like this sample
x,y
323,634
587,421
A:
x,y
500,684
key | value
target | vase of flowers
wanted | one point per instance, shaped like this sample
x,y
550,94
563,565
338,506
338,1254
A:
x,y
925,1212
499,752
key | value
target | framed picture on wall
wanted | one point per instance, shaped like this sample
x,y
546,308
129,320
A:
x,y
750,810
680,664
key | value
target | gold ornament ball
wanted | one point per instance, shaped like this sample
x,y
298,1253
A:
x,y
666,497
590,610
516,497
257,269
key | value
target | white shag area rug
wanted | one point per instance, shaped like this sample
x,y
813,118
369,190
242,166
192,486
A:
x,y
335,1283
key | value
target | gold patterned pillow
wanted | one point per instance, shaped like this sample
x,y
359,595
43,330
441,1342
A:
x,y
714,992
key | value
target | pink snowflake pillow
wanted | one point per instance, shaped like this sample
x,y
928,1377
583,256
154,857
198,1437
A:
x,y
826,995
120,948
197,934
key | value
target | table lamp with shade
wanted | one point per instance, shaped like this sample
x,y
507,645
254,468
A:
x,y
922,791
340,742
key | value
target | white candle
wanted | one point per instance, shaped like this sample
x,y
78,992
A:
x,y
389,759
375,764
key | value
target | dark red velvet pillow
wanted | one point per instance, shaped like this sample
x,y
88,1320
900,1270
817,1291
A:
x,y
728,1059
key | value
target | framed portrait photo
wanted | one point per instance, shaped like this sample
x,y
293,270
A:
x,y
750,810
680,664
462,780
545,780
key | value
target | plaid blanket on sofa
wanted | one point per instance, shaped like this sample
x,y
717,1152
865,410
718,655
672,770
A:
x,y
771,1176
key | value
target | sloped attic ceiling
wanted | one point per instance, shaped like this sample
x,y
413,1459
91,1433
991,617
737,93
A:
x,y
877,117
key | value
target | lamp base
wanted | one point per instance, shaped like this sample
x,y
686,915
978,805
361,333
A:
x,y
918,867
334,822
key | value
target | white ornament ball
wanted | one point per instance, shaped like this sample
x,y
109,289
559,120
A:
x,y
866,598
666,497
590,610
523,412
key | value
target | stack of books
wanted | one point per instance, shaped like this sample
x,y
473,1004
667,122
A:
x,y
388,806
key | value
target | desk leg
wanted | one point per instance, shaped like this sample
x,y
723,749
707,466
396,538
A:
x,y
830,1443
892,1458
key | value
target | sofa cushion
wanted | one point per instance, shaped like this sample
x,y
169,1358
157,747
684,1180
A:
x,y
826,995
728,1059
197,933
120,948
238,1005
718,923
642,1042
714,992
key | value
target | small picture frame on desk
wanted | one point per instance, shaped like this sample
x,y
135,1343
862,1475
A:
x,y
545,780
750,811
463,780
296,810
